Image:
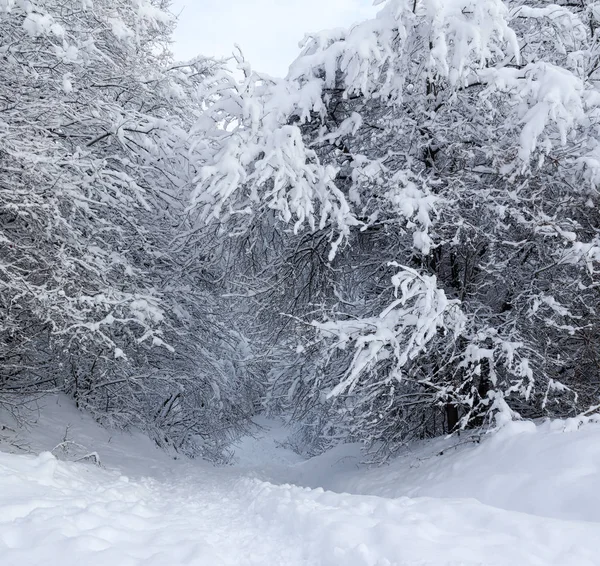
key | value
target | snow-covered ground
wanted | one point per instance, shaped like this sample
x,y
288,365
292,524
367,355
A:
x,y
527,496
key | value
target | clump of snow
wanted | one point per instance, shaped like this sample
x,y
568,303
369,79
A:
x,y
120,29
36,24
67,84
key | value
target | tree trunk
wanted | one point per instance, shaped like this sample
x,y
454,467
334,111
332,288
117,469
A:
x,y
451,416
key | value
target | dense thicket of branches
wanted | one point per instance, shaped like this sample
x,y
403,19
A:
x,y
434,176
399,239
95,297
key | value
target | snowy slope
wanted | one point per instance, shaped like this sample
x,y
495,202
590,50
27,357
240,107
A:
x,y
144,508
550,470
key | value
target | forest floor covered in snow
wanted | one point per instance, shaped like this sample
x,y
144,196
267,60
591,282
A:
x,y
525,496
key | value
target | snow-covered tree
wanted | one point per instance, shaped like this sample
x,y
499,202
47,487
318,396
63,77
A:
x,y
435,166
400,238
95,175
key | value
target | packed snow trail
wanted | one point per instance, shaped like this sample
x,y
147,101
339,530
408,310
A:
x,y
72,514
171,513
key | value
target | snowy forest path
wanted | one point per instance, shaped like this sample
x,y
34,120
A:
x,y
172,513
77,514
72,513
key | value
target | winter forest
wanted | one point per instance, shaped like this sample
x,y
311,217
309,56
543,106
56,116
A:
x,y
398,240
347,317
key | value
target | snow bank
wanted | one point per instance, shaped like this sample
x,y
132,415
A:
x,y
550,470
353,530
56,425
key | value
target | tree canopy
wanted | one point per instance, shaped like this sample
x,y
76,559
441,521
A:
x,y
398,239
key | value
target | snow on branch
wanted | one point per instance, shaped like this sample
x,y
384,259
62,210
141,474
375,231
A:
x,y
255,159
400,333
546,97
455,38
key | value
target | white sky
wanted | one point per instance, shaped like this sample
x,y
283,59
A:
x,y
268,31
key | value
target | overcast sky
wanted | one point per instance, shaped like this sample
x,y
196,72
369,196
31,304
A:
x,y
267,30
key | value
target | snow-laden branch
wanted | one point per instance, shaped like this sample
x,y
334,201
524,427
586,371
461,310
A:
x,y
400,333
